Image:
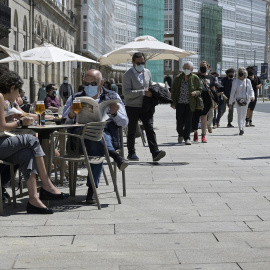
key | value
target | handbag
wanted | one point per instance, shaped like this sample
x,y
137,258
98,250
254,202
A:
x,y
242,101
199,103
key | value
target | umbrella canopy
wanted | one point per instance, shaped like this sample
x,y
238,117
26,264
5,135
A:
x,y
47,54
151,47
13,55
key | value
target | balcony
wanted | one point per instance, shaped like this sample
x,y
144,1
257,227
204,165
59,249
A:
x,y
5,16
64,13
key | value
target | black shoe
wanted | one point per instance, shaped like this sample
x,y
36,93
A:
x,y
230,125
31,209
158,155
90,197
241,132
45,195
122,163
250,124
133,157
5,195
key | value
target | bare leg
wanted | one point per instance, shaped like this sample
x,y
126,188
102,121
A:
x,y
45,180
203,123
32,190
250,114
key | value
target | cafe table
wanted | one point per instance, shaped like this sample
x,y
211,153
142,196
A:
x,y
44,138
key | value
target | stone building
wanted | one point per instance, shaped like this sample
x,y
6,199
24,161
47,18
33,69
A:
x,y
33,22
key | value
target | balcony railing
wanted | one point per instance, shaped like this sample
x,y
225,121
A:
x,y
5,14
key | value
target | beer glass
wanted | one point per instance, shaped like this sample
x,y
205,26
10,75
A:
x,y
39,109
76,106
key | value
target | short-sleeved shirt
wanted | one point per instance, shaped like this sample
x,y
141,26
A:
x,y
184,92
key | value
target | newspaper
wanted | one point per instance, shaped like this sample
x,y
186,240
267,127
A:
x,y
12,111
92,111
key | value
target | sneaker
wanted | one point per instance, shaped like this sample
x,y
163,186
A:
x,y
230,125
187,142
218,125
196,138
241,132
210,130
122,163
180,139
250,123
90,197
158,155
203,139
214,126
133,157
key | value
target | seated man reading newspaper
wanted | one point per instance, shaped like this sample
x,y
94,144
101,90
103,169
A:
x,y
91,112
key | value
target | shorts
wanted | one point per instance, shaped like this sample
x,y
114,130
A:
x,y
252,104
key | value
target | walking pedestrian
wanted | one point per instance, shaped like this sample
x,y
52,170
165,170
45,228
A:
x,y
66,90
242,93
256,85
227,84
185,90
136,82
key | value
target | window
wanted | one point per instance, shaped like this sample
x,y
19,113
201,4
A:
x,y
168,5
168,23
168,65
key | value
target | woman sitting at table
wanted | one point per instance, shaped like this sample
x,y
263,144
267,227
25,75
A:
x,y
25,150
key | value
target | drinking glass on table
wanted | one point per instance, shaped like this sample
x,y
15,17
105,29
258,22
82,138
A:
x,y
76,106
39,109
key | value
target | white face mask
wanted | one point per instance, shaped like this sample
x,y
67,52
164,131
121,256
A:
x,y
187,71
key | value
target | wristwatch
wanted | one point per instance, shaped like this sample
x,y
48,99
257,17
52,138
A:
x,y
19,123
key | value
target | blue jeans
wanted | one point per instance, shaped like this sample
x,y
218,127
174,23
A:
x,y
95,148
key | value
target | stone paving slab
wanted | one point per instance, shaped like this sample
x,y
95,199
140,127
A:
x,y
204,206
224,266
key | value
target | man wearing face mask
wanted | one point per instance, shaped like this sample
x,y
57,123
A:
x,y
66,90
256,85
227,84
51,101
136,82
93,87
185,89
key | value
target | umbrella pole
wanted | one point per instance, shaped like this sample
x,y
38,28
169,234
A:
x,y
46,73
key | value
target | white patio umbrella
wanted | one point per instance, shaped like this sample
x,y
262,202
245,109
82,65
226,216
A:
x,y
46,54
12,55
151,47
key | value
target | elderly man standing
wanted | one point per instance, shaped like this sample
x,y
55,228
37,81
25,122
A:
x,y
136,82
185,89
93,87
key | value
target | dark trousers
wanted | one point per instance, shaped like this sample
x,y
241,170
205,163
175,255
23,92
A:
x,y
183,120
220,108
196,119
134,114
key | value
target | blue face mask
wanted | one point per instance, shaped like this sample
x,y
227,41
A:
x,y
90,90
65,81
139,68
55,93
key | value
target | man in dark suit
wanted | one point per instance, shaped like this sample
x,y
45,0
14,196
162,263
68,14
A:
x,y
136,82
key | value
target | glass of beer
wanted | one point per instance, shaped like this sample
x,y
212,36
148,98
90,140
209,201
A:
x,y
40,107
76,106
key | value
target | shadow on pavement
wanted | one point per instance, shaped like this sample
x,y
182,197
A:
x,y
252,158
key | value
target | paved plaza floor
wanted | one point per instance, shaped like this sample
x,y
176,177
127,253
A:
x,y
204,206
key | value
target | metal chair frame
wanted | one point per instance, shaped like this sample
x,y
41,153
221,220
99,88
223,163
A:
x,y
92,131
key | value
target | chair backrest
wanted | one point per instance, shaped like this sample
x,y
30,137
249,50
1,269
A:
x,y
93,131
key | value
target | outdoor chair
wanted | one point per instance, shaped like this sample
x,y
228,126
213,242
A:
x,y
12,182
92,131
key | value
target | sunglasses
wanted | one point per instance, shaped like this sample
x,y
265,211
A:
x,y
92,83
140,63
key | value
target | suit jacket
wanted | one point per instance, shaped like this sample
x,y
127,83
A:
x,y
133,90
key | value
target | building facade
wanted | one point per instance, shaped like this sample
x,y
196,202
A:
x,y
227,33
34,22
151,22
